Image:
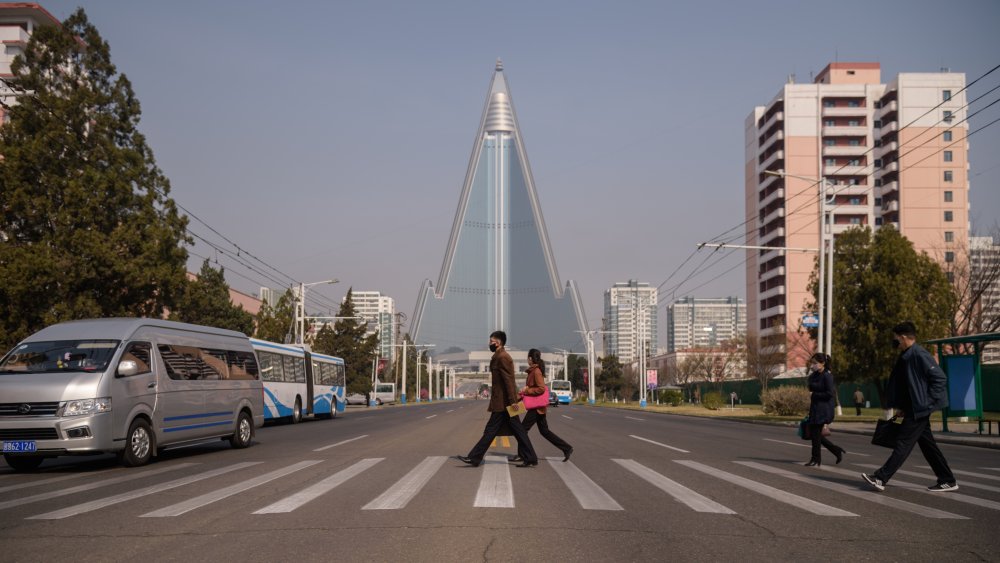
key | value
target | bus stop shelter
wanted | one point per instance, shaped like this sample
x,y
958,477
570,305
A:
x,y
960,358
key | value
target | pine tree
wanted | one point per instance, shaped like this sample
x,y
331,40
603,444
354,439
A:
x,y
86,225
274,323
348,341
205,301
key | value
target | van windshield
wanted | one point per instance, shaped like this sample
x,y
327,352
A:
x,y
59,356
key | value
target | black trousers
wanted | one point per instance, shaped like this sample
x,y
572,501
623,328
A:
x,y
534,416
916,431
493,426
858,407
816,435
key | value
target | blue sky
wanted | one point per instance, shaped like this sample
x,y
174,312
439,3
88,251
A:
x,y
331,139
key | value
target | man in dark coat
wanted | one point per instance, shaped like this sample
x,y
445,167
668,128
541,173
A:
x,y
916,388
502,394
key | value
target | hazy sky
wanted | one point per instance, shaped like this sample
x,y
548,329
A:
x,y
331,139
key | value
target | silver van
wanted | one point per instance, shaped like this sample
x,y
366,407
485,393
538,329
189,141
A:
x,y
128,386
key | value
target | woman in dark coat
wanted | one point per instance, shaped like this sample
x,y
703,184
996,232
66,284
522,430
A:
x,y
822,402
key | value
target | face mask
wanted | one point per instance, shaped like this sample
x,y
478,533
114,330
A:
x,y
493,347
895,343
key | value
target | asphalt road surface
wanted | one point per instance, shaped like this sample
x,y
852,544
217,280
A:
x,y
383,484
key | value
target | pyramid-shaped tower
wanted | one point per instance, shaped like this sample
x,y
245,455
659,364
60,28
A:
x,y
499,272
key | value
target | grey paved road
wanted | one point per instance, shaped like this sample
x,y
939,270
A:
x,y
381,484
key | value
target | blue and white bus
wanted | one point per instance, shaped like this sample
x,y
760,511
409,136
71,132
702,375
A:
x,y
298,382
563,390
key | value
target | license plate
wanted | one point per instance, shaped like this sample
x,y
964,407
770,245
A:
x,y
19,446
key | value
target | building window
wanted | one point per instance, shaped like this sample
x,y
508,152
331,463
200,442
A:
x,y
947,116
949,236
947,136
878,183
878,163
878,221
855,201
949,256
948,175
853,123
854,162
829,104
829,123
878,201
947,156
878,123
855,220
853,104
948,216
949,196
831,162
946,95
830,142
951,277
878,142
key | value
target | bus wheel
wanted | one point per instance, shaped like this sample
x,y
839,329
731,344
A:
x,y
333,408
138,444
23,462
244,432
297,411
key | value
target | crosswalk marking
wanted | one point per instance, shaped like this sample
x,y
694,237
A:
x,y
587,492
958,497
634,418
313,492
406,488
969,473
683,494
215,496
870,496
495,488
131,475
767,490
933,478
569,417
105,502
340,443
47,481
657,443
431,416
805,444
991,468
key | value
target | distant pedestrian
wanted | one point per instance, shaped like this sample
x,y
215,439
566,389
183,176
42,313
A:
x,y
534,385
822,401
917,387
502,394
733,397
859,400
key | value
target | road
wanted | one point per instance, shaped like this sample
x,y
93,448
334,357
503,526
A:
x,y
382,484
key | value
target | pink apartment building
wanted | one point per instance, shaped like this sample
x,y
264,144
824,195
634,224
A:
x,y
893,154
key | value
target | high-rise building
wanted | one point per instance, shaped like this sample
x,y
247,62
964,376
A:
x,y
269,296
630,320
892,153
984,258
18,21
378,311
499,272
704,322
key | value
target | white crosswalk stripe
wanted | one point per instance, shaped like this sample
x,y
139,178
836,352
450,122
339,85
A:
x,y
406,488
870,496
658,443
683,494
340,443
805,444
215,496
933,479
30,484
130,476
767,490
105,502
587,492
958,497
495,488
315,491
969,473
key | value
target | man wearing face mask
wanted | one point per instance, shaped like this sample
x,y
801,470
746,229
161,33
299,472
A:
x,y
502,394
916,388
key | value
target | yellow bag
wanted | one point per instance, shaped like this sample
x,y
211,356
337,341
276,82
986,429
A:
x,y
517,409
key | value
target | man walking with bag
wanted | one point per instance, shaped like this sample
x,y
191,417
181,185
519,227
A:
x,y
916,388
502,394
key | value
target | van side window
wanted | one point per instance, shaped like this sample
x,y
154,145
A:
x,y
196,364
242,365
270,367
139,352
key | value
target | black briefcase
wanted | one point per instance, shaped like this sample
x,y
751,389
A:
x,y
886,433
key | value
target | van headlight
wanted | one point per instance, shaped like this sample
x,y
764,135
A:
x,y
85,406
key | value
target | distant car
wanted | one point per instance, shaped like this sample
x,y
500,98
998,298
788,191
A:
x,y
553,399
355,399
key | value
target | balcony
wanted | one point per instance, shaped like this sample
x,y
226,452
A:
x,y
773,292
770,140
767,181
890,187
890,127
886,148
840,228
844,112
887,108
770,331
776,310
763,240
845,131
779,116
845,150
14,35
890,206
779,212
775,195
769,255
836,169
778,155
849,189
891,167
773,272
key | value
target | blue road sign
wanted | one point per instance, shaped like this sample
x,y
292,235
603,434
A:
x,y
810,320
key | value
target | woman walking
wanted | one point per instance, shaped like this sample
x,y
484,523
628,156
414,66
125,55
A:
x,y
534,385
822,402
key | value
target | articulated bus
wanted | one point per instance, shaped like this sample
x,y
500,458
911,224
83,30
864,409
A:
x,y
298,382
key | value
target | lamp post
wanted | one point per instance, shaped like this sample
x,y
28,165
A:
x,y
300,309
565,354
591,375
402,394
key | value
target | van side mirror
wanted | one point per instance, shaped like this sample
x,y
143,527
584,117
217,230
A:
x,y
127,368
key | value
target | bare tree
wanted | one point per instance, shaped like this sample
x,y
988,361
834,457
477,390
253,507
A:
x,y
765,357
974,271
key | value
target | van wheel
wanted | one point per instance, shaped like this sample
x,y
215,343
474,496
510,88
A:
x,y
138,444
378,402
297,411
23,462
243,434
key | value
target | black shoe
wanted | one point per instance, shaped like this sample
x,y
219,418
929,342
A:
x,y
840,455
514,459
468,460
813,463
527,464
943,487
567,453
874,482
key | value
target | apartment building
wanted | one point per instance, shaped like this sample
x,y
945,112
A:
x,y
378,311
694,322
630,320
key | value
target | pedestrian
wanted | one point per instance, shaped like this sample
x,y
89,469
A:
x,y
502,394
822,401
733,397
859,400
534,385
916,388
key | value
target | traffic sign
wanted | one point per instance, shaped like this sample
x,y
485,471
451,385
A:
x,y
810,320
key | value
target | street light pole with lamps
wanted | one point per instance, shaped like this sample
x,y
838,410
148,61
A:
x,y
300,309
591,375
402,393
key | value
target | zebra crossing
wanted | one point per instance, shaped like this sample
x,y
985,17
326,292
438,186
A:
x,y
496,488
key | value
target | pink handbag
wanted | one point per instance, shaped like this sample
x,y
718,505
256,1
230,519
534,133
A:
x,y
536,401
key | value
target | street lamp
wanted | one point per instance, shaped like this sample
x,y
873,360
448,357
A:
x,y
565,354
402,394
825,302
300,309
591,375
